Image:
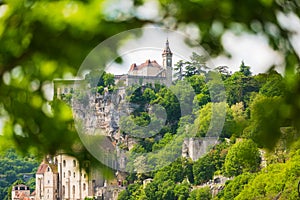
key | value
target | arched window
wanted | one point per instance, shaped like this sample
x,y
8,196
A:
x,y
64,163
73,190
48,169
63,190
84,187
69,172
74,175
74,163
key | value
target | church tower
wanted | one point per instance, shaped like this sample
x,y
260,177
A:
x,y
167,63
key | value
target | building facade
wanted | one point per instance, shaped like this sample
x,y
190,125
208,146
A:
x,y
150,71
62,178
21,192
46,182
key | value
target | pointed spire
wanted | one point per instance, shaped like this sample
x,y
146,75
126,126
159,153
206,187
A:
x,y
167,49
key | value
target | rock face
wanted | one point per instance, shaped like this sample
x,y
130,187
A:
x,y
103,118
100,115
194,148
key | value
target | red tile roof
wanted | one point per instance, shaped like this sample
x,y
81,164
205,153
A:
x,y
148,63
44,166
22,196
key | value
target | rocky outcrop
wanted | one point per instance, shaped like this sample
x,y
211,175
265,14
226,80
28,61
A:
x,y
194,148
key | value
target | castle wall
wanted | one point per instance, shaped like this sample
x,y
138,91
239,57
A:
x,y
143,80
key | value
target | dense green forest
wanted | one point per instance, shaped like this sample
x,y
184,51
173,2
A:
x,y
16,168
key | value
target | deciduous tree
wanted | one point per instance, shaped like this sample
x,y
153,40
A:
x,y
242,157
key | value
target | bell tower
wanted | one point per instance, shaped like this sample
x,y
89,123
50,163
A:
x,y
167,63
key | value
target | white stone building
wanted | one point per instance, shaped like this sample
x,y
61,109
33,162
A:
x,y
46,182
62,178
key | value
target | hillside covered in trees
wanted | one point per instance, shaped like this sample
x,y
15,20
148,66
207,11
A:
x,y
16,168
258,155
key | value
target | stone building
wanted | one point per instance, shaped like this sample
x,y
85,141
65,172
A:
x,y
46,182
21,192
147,72
61,178
150,71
